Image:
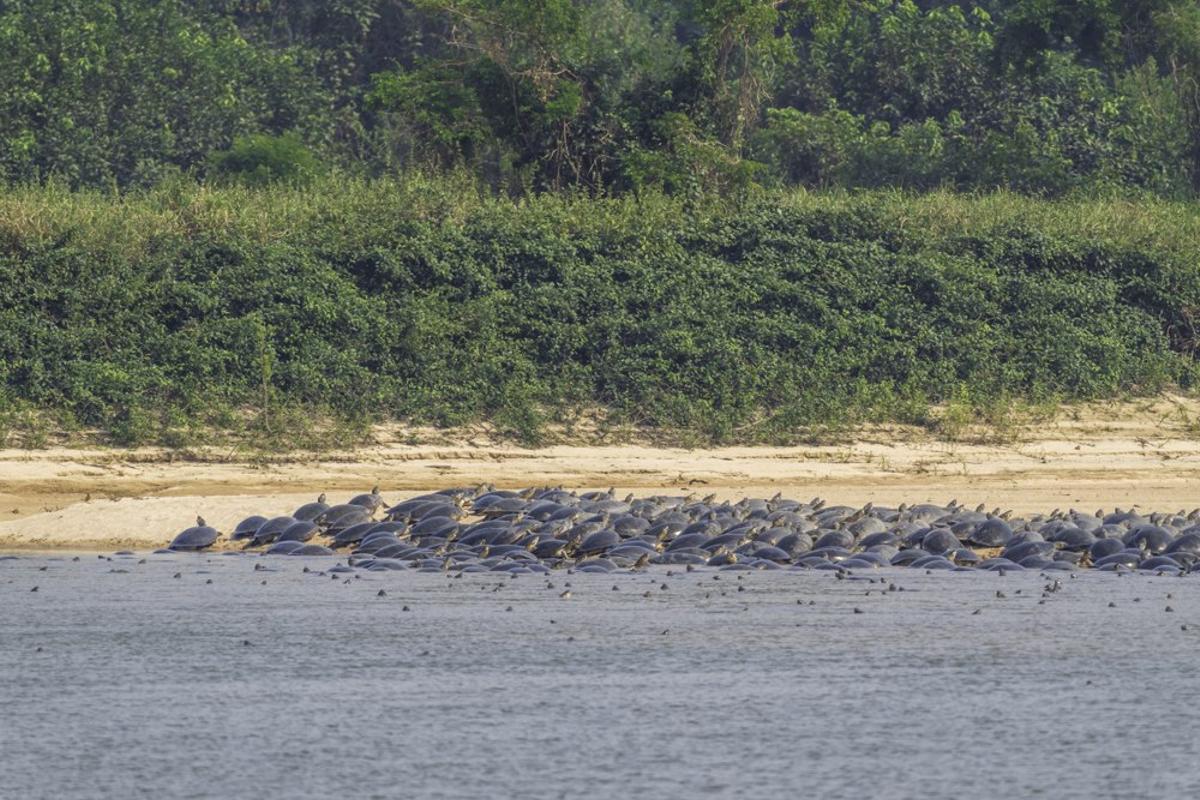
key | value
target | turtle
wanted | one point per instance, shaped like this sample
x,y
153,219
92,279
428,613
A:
x,y
247,528
270,530
198,537
342,516
599,542
873,539
686,540
434,526
795,543
771,553
905,558
1159,562
1125,558
1018,552
311,550
373,543
1152,538
940,540
1187,542
352,534
310,511
283,548
300,531
370,501
1072,538
992,532
1105,547
932,561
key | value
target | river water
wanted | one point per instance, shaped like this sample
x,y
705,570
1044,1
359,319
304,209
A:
x,y
118,679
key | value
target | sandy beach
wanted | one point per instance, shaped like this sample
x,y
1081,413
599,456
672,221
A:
x,y
1145,454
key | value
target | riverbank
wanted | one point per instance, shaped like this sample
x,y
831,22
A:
x,y
1092,456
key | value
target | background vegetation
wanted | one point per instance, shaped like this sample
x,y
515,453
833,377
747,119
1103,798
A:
x,y
723,220
608,96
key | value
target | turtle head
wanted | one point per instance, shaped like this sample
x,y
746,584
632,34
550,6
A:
x,y
321,497
200,521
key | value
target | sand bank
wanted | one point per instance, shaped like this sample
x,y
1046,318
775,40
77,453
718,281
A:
x,y
1102,456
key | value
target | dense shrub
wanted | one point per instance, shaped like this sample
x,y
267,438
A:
x,y
260,160
424,302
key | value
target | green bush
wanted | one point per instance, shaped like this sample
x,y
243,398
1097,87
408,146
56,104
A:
x,y
260,160
425,302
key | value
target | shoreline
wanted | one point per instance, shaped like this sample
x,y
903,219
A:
x,y
95,500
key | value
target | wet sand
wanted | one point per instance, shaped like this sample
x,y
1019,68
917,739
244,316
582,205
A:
x,y
1145,454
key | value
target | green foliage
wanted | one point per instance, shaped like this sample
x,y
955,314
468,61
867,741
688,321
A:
x,y
1045,97
127,92
260,160
684,161
710,322
903,97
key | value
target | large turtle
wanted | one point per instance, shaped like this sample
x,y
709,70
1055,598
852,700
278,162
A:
x,y
342,516
247,528
299,531
353,534
371,501
271,530
198,537
310,511
992,532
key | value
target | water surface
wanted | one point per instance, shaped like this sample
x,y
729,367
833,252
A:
x,y
144,685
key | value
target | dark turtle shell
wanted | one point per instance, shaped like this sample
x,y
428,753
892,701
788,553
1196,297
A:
x,y
795,543
342,516
370,501
270,530
993,532
1125,558
195,538
1021,551
310,511
282,548
352,534
835,539
1151,537
300,531
1158,562
906,557
686,540
940,540
1105,547
1187,543
247,528
599,542
1075,539
311,550
434,526
883,537
629,525
771,553
374,543
549,548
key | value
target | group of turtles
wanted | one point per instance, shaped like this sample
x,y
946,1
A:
x,y
484,529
